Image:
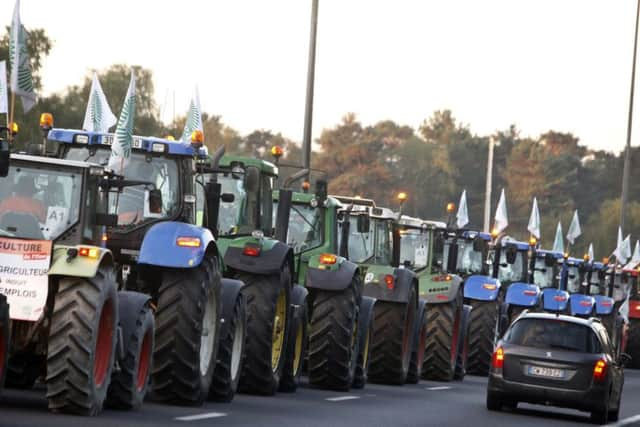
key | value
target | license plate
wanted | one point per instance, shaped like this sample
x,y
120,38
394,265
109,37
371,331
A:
x,y
540,371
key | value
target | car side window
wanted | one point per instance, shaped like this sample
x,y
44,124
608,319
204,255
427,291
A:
x,y
604,340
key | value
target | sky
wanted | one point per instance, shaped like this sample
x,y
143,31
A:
x,y
540,64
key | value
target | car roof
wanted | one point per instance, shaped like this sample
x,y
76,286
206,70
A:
x,y
563,317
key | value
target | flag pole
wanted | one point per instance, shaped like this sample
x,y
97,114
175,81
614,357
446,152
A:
x,y
10,117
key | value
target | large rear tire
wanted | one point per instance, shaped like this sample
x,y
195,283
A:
x,y
633,343
230,353
419,343
482,330
82,342
187,334
333,337
391,345
129,386
443,328
268,323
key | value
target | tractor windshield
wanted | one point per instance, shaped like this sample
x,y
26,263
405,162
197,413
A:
x,y
469,260
543,274
161,172
414,248
573,279
233,217
305,227
594,284
510,273
621,286
39,201
360,245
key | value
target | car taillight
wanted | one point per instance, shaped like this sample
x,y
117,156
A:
x,y
498,358
251,250
599,370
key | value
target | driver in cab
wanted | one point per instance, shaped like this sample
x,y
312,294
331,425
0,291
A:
x,y
22,201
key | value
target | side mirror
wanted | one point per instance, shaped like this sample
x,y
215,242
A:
x,y
321,191
512,253
152,204
252,179
624,359
227,197
364,224
479,244
549,260
4,158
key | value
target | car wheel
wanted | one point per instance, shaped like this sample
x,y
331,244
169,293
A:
x,y
493,402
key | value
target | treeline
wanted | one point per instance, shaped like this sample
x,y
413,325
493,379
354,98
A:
x,y
433,163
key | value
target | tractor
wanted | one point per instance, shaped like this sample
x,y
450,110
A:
x,y
163,253
71,323
633,343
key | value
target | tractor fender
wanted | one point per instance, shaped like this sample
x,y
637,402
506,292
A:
x,y
444,294
481,288
331,280
554,299
605,305
522,295
160,245
129,306
403,280
79,266
581,305
268,262
231,291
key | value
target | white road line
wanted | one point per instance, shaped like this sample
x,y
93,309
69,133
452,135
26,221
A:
x,y
437,388
626,421
204,416
341,398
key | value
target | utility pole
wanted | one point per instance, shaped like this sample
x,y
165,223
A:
x,y
308,110
627,154
487,190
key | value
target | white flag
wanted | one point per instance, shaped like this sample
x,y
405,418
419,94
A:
x,y
626,248
462,216
21,80
590,252
123,137
534,220
501,218
636,253
194,118
4,104
618,252
558,242
574,229
98,117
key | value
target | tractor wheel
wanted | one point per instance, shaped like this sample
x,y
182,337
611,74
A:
x,y
633,343
365,336
82,343
4,338
443,328
391,345
418,346
268,323
296,350
187,334
482,330
333,338
129,386
232,345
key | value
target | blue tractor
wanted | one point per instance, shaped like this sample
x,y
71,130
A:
x,y
160,251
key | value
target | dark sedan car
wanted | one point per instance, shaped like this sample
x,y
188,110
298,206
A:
x,y
557,360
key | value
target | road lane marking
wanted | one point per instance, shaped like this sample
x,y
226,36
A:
x,y
438,388
626,421
341,398
201,416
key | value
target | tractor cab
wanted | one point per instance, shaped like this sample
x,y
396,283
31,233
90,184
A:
x,y
632,269
572,279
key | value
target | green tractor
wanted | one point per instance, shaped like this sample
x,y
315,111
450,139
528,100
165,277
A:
x,y
70,322
365,238
340,318
430,250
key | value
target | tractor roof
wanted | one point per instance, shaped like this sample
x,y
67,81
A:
x,y
472,234
55,161
420,223
357,201
575,261
521,246
149,144
543,252
264,166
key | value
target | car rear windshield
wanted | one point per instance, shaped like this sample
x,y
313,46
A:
x,y
553,333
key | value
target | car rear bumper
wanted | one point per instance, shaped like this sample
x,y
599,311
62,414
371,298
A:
x,y
583,400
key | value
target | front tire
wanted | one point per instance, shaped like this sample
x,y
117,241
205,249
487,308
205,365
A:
x,y
391,345
268,323
333,338
82,341
187,334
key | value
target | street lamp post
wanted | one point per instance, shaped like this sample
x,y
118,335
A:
x,y
308,110
627,154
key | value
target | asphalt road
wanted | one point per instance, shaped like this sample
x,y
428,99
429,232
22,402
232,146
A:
x,y
425,404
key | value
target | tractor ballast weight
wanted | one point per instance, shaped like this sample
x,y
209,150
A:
x,y
481,288
162,245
